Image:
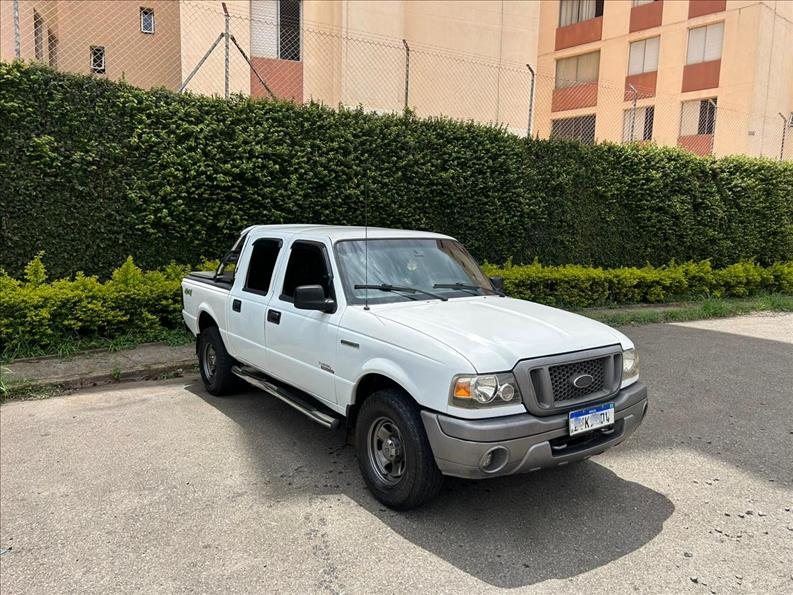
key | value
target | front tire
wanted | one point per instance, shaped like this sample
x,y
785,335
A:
x,y
215,363
394,453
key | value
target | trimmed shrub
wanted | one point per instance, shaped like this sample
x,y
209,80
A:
x,y
92,171
38,315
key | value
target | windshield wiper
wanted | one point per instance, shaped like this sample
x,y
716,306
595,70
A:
x,y
466,286
397,288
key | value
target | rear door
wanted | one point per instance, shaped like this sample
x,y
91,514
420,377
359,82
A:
x,y
248,300
301,344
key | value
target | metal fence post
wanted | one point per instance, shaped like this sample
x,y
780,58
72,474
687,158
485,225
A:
x,y
633,112
407,72
17,44
784,132
531,101
226,43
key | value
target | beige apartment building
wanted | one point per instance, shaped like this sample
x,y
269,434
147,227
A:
x,y
712,76
461,58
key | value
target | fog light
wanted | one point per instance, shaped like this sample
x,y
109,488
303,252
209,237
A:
x,y
494,459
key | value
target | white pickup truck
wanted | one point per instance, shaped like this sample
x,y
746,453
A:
x,y
401,338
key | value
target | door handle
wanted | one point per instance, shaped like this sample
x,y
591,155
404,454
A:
x,y
274,316
236,305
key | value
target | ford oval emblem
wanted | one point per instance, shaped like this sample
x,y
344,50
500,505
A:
x,y
582,381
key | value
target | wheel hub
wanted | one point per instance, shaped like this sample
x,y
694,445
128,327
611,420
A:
x,y
386,453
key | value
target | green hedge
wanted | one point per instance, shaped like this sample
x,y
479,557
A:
x,y
37,316
574,286
92,171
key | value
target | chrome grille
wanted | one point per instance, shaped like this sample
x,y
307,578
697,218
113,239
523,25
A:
x,y
562,379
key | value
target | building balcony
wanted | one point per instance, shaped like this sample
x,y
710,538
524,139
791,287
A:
x,y
699,144
574,97
704,75
697,8
283,77
644,84
579,33
646,16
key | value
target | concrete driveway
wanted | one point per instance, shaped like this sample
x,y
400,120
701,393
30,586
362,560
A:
x,y
160,487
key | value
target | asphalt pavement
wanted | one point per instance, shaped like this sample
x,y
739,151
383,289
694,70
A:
x,y
159,487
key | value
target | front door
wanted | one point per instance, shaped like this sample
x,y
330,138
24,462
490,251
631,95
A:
x,y
301,344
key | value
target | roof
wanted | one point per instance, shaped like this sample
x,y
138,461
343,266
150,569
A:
x,y
340,232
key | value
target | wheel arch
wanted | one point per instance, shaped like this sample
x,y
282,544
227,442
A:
x,y
373,379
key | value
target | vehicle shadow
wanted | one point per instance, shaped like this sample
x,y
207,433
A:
x,y
508,532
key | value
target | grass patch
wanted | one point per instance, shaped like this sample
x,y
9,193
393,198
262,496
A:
x,y
702,310
72,345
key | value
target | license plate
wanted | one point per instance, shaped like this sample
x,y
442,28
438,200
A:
x,y
585,420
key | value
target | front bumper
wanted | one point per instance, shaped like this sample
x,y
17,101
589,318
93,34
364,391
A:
x,y
523,443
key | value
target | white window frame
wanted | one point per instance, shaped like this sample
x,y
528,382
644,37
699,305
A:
x,y
145,11
644,67
706,53
98,69
694,117
643,2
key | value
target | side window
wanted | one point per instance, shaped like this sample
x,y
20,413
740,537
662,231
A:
x,y
307,266
262,264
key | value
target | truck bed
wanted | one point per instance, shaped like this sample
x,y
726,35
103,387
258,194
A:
x,y
208,277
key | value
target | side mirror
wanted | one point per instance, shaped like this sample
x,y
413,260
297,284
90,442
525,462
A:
x,y
498,283
312,297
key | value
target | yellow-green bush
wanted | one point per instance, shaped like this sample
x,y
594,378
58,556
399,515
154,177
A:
x,y
576,286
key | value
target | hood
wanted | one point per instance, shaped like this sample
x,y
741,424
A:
x,y
494,333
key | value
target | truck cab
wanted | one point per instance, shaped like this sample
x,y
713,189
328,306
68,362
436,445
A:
x,y
399,337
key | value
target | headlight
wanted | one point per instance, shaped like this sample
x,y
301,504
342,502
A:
x,y
630,364
487,390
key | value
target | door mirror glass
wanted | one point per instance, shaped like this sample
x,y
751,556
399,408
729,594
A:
x,y
498,283
312,297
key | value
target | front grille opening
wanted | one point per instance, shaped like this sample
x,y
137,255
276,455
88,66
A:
x,y
563,375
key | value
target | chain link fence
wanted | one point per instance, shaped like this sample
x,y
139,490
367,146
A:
x,y
252,48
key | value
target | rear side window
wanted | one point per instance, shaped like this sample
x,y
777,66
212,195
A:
x,y
307,266
262,264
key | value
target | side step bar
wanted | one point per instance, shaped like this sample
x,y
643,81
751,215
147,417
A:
x,y
301,404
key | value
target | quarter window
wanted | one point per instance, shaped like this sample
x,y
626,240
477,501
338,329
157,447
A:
x,y
704,43
98,59
147,20
578,70
644,56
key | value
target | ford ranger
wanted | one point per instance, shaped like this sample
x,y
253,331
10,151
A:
x,y
400,338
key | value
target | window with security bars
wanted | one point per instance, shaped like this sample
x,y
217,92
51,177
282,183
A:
x,y
643,56
52,50
578,70
38,36
637,124
698,117
147,20
276,29
641,2
97,59
704,43
576,11
581,129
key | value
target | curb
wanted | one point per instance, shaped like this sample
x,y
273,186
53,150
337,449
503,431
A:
x,y
177,368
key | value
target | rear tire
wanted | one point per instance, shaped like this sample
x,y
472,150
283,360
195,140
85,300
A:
x,y
394,453
215,363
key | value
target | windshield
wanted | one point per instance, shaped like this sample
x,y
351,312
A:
x,y
420,264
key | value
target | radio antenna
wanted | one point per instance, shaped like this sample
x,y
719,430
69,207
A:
x,y
366,242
